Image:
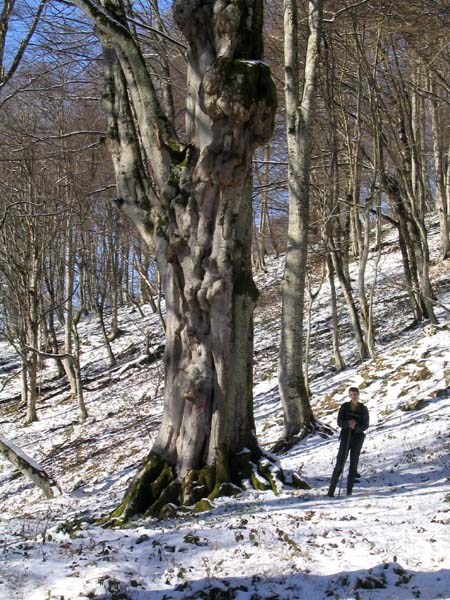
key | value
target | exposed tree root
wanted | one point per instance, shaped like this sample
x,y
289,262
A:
x,y
157,490
114,335
312,428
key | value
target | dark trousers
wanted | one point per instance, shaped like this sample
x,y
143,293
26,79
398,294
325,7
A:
x,y
346,446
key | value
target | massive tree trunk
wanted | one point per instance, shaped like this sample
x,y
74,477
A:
x,y
194,205
299,123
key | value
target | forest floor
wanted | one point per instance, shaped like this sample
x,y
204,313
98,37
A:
x,y
389,540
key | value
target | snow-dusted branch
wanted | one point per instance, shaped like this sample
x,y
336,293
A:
x,y
28,467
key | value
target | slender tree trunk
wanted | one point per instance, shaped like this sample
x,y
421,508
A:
x,y
116,288
32,325
441,203
24,383
299,124
68,291
408,258
363,301
331,173
266,243
412,194
29,388
312,296
351,306
353,140
371,322
115,329
77,367
423,268
365,305
101,319
159,304
53,339
146,290
338,360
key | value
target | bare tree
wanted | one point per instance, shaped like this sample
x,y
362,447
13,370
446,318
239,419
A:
x,y
11,10
438,110
300,103
193,203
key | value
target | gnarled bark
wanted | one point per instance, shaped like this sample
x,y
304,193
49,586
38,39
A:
x,y
193,204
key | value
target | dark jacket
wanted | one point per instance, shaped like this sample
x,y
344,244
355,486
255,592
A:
x,y
360,414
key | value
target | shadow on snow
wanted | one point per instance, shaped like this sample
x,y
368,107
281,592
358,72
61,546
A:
x,y
383,581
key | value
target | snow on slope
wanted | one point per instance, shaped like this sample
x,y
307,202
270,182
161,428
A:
x,y
388,541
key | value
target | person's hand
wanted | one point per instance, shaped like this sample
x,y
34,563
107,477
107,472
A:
x,y
352,423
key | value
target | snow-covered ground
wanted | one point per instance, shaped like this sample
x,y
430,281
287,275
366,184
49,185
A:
x,y
389,540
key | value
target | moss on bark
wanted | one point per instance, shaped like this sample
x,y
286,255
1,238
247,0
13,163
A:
x,y
250,81
258,482
157,491
169,495
197,484
145,488
222,467
203,505
271,473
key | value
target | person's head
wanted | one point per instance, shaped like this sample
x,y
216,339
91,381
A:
x,y
353,392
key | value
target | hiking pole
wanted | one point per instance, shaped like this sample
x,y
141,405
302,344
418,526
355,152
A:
x,y
347,446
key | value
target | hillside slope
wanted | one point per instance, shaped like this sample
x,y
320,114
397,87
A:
x,y
389,540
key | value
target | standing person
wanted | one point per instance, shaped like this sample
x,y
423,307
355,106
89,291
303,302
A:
x,y
353,419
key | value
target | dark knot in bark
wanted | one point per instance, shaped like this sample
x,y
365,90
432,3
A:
x,y
242,91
